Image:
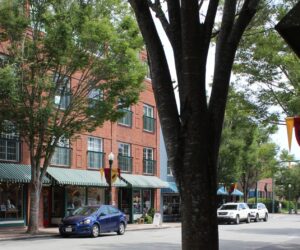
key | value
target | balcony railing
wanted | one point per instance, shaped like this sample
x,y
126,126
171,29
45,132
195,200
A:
x,y
10,150
125,163
149,166
61,156
95,159
149,123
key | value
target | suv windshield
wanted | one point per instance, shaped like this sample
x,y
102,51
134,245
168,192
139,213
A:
x,y
85,210
228,207
252,206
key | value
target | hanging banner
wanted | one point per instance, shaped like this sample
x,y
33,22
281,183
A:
x,y
115,172
297,128
289,126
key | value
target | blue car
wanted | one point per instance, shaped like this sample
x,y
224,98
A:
x,y
93,220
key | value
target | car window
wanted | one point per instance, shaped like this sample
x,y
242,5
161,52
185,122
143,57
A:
x,y
252,206
229,207
113,210
241,206
104,210
85,211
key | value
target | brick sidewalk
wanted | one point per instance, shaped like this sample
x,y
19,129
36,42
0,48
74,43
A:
x,y
12,233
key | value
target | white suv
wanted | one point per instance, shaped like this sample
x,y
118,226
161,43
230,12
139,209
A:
x,y
234,212
258,211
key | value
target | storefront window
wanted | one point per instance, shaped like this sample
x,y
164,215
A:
x,y
75,197
95,196
11,201
137,201
171,205
146,200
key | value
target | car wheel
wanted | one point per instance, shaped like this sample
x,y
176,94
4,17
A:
x,y
266,217
257,218
95,231
237,219
248,219
121,230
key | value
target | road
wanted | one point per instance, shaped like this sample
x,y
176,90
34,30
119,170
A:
x,y
280,232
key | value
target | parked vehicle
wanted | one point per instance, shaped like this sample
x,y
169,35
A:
x,y
93,220
258,211
234,212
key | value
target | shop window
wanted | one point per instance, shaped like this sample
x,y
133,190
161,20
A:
x,y
146,200
95,196
95,153
75,198
11,202
171,207
137,202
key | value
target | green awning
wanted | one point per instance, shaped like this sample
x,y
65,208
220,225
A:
x,y
17,173
76,177
144,181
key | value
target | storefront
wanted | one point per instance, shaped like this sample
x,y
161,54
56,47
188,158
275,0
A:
x,y
72,188
139,196
14,179
171,203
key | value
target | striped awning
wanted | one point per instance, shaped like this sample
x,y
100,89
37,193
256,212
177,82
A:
x,y
144,181
17,173
76,177
172,188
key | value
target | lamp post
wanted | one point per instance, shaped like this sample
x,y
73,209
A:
x,y
289,197
110,160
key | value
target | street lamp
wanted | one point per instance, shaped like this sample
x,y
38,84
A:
x,y
110,160
290,185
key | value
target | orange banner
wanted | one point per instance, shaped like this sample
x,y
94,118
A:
x,y
289,126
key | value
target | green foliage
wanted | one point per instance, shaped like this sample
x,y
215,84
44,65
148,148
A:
x,y
264,59
96,43
148,219
151,212
246,155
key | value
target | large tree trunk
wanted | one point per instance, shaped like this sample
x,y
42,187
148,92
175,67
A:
x,y
35,193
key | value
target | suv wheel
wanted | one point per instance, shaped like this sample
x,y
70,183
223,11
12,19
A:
x,y
257,218
237,219
266,217
248,219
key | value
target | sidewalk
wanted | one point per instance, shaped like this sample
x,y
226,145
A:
x,y
12,233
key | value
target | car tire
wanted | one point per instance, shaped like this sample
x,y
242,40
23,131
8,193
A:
x,y
95,231
266,217
121,229
257,218
237,219
248,219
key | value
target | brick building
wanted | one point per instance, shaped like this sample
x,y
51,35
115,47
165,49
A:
x,y
74,178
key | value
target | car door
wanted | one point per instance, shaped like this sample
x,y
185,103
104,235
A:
x,y
104,219
114,218
243,211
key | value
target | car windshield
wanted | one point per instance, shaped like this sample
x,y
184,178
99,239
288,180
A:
x,y
229,207
252,206
85,211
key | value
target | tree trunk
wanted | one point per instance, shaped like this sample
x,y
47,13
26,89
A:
x,y
35,192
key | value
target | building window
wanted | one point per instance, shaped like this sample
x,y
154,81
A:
x,y
95,153
149,163
62,153
96,196
124,157
126,120
75,197
94,96
169,170
10,144
63,93
149,120
11,202
148,73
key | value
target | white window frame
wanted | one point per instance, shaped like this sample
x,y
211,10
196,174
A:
x,y
95,146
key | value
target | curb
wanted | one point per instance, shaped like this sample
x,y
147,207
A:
x,y
54,234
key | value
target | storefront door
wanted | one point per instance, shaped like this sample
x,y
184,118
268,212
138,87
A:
x,y
47,207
